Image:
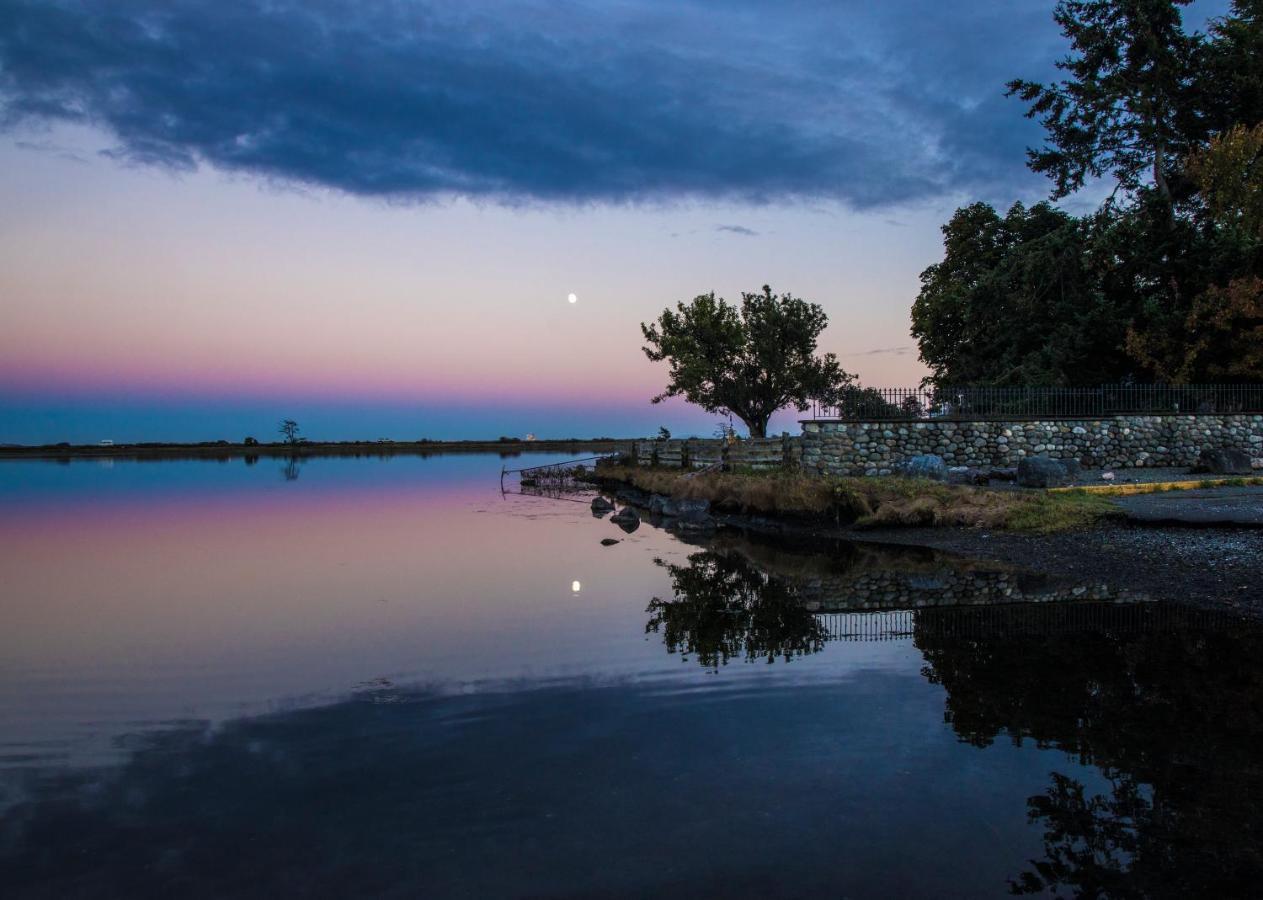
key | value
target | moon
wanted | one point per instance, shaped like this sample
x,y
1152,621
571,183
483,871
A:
x,y
576,586
573,298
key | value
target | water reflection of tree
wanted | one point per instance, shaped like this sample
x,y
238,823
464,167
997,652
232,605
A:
x,y
724,609
1174,722
292,468
1091,841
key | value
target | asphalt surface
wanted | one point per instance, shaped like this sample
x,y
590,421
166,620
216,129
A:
x,y
1223,506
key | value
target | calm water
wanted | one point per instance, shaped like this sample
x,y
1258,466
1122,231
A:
x,y
384,678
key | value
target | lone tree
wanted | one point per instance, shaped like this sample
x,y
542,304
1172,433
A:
x,y
289,429
750,361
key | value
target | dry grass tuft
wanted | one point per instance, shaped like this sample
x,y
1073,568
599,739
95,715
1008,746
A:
x,y
873,502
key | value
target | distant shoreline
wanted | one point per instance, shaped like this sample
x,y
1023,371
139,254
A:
x,y
227,450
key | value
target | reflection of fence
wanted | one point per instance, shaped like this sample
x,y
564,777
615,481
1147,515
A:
x,y
868,404
550,479
1025,620
874,626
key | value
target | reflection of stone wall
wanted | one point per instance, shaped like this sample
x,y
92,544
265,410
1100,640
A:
x,y
872,448
894,589
842,577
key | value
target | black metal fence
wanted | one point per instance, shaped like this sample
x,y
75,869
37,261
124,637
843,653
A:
x,y
931,403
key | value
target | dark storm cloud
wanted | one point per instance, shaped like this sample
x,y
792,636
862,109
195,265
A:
x,y
575,102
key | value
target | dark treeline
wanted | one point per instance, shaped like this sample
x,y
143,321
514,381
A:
x,y
1162,282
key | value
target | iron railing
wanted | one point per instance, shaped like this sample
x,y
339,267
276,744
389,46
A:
x,y
929,403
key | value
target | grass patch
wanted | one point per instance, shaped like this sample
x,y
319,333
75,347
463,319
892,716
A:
x,y
873,502
1046,512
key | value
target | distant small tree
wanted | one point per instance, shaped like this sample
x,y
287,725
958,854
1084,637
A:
x,y
749,361
664,434
289,430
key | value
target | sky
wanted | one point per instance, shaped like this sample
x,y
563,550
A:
x,y
368,216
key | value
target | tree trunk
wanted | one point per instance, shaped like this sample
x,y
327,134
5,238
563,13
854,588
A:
x,y
758,428
1159,177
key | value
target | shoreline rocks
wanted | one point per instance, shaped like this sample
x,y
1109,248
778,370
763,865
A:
x,y
1224,461
627,519
1042,472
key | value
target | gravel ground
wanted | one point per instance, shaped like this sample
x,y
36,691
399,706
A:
x,y
1213,567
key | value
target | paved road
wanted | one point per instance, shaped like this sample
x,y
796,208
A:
x,y
1206,506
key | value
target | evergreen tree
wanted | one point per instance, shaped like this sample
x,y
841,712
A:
x,y
1120,111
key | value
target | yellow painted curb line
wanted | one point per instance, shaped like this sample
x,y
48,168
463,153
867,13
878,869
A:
x,y
1157,487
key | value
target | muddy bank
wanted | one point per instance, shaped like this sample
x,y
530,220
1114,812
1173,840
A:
x,y
1210,567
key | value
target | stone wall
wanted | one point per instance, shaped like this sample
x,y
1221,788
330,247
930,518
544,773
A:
x,y
877,448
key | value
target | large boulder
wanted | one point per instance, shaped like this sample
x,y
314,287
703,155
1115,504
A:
x,y
627,519
600,505
687,508
1041,472
1224,461
694,525
927,465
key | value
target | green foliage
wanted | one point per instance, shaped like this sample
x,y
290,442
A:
x,y
1120,111
1014,301
1230,66
1229,173
1160,283
1222,337
749,361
